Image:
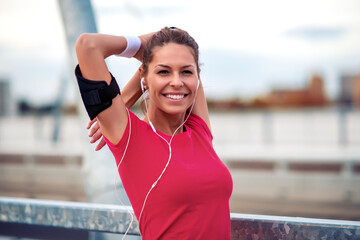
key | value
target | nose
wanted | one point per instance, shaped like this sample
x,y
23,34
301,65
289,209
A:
x,y
176,82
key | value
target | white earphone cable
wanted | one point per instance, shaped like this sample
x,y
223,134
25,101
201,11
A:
x,y
170,151
167,164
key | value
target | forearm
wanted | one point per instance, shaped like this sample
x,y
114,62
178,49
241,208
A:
x,y
132,90
144,39
102,44
92,49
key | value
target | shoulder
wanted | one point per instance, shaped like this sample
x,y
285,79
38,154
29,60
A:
x,y
135,127
197,124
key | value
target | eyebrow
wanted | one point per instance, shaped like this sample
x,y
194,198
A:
x,y
166,66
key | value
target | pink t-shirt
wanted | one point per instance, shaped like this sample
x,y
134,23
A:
x,y
191,200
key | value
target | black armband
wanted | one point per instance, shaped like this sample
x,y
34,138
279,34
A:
x,y
96,95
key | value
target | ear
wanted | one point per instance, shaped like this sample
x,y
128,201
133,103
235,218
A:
x,y
142,78
141,71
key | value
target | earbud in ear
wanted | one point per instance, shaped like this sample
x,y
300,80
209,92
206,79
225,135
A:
x,y
198,84
142,85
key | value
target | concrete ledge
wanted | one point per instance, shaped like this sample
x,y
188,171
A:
x,y
70,215
115,219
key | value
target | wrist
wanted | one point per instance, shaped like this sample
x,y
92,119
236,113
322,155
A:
x,y
133,45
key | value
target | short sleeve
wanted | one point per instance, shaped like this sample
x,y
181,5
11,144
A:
x,y
197,123
122,142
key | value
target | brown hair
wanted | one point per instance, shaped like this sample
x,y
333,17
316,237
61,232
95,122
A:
x,y
169,35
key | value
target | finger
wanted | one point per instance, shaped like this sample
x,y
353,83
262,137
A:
x,y
90,123
96,137
101,144
94,129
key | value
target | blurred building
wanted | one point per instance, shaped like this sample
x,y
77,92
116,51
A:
x,y
350,90
312,95
225,104
356,92
5,98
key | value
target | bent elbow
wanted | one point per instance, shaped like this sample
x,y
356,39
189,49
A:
x,y
85,43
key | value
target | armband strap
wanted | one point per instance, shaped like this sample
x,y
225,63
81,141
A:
x,y
96,95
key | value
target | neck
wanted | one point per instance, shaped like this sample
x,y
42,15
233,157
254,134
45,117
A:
x,y
164,122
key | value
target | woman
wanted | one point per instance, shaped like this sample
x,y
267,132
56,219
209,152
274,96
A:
x,y
177,185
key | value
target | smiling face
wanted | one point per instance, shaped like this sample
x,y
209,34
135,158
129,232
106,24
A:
x,y
171,79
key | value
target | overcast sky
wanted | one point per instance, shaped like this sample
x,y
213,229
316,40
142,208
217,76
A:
x,y
246,47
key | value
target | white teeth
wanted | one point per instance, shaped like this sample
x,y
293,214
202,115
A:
x,y
172,96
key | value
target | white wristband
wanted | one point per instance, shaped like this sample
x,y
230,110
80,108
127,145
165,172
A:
x,y
132,47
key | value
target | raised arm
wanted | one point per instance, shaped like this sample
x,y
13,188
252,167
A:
x,y
91,51
200,107
130,94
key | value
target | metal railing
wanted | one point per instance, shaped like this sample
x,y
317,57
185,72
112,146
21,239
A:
x,y
23,213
